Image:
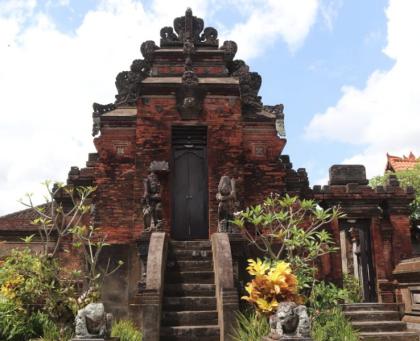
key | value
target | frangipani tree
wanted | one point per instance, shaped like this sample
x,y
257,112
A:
x,y
288,228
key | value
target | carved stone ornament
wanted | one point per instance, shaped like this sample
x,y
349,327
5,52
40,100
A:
x,y
93,323
249,84
230,48
159,166
128,82
152,203
290,321
189,47
277,111
98,111
188,27
189,96
226,197
147,49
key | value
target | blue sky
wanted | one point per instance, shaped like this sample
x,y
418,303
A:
x,y
346,71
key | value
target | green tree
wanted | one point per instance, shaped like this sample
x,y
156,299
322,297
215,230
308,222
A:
x,y
408,177
54,222
287,228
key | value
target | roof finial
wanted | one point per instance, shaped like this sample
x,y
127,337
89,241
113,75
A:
x,y
188,24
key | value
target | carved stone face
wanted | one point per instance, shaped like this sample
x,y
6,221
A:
x,y
94,325
94,317
154,183
189,102
225,186
289,319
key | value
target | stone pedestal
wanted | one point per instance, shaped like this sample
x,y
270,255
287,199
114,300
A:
x,y
100,339
287,338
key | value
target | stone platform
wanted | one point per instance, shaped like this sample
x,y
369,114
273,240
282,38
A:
x,y
97,339
288,338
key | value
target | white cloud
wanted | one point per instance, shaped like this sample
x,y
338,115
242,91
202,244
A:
x,y
384,116
268,21
49,79
329,11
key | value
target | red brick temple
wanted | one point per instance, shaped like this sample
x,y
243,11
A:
x,y
185,116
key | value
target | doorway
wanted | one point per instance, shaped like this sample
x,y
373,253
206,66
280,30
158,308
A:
x,y
189,183
356,252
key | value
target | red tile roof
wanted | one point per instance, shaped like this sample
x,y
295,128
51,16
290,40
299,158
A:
x,y
396,163
20,221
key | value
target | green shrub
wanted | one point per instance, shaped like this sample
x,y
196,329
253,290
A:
x,y
126,331
16,324
326,296
331,325
52,332
31,281
354,290
250,327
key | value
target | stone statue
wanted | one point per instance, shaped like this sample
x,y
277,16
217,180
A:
x,y
93,323
152,203
290,321
226,197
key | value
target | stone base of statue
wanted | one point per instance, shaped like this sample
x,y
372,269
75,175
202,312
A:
x,y
100,339
289,323
287,338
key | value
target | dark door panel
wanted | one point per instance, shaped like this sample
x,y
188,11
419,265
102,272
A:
x,y
189,187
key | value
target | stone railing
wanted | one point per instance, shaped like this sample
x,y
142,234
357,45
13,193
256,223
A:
x,y
226,293
151,298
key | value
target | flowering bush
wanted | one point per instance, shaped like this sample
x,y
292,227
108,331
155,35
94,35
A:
x,y
274,282
30,295
288,228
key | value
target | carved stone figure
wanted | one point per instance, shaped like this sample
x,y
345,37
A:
x,y
189,96
226,197
189,47
230,48
249,83
290,320
128,82
277,110
304,327
147,49
93,322
98,111
152,203
188,27
209,36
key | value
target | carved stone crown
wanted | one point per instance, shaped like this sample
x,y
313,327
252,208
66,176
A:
x,y
188,28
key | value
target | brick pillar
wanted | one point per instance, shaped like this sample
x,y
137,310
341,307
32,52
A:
x,y
401,243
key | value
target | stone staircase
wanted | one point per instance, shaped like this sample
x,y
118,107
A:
x,y
189,310
379,322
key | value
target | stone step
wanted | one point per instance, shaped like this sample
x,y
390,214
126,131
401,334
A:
x,y
196,277
190,244
372,315
380,326
190,333
189,265
189,254
390,336
183,318
190,289
371,307
189,303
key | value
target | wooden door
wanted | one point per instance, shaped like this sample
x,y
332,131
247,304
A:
x,y
357,247
189,184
